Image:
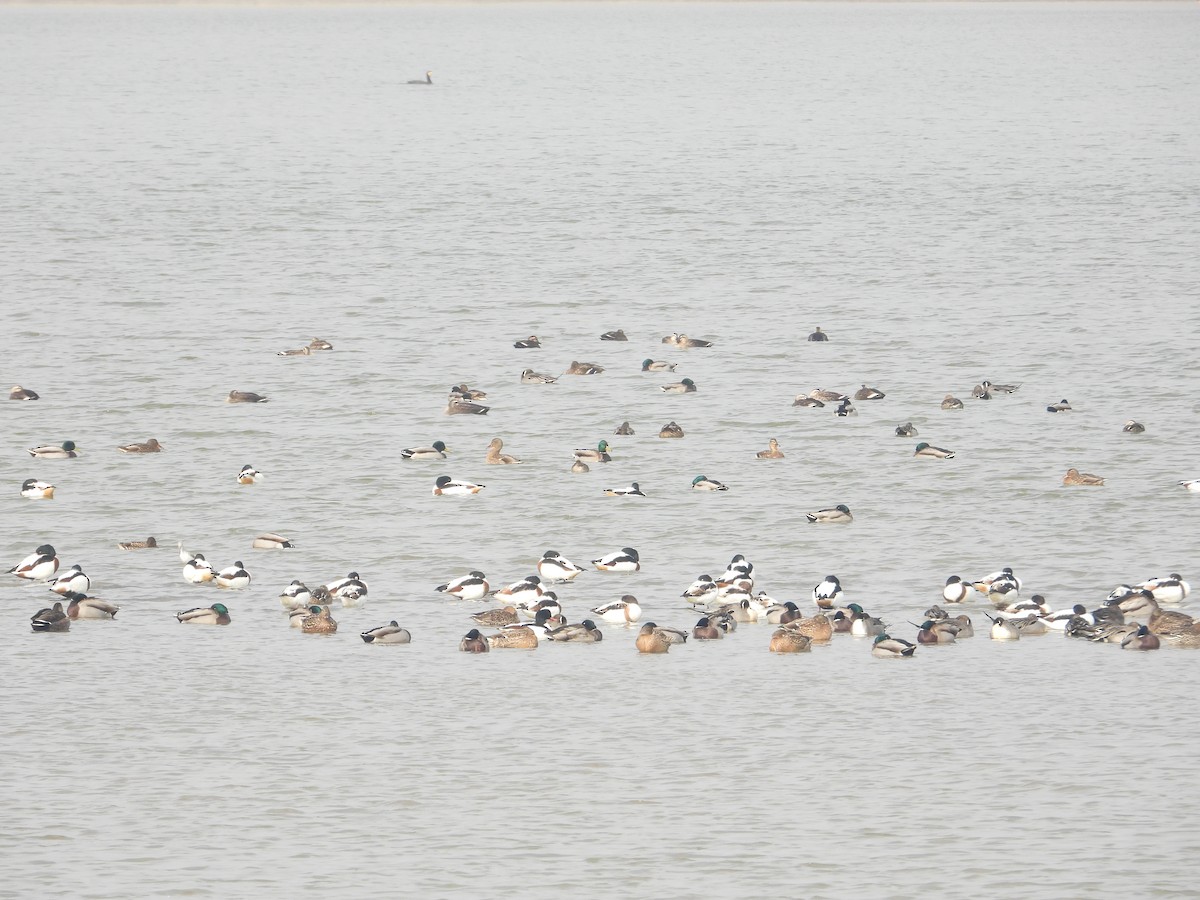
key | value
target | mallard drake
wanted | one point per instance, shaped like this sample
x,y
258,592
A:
x,y
702,587
72,581
805,400
39,565
1060,406
522,637
81,606
1074,476
302,351
473,642
65,450
624,560
553,566
493,456
906,430
436,451
686,386
845,409
956,590
459,407
583,368
464,392
600,454
625,611
1142,639
818,335
32,489
148,544
704,483
473,586
391,633
1004,629
837,515
827,396
445,486
319,344
528,376
295,596
586,632
670,430
772,451
951,402
618,335
271,541
828,594
249,475
925,451
652,365
651,640
579,467
150,446
197,570
20,393
623,429
319,621
632,491
1132,427
887,647
494,618
217,614
52,618
785,640
245,397
869,393
233,577
529,343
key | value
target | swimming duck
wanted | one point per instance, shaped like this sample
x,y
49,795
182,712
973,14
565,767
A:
x,y
1004,629
951,402
494,457
682,340
233,577
600,454
523,592
529,343
956,590
844,409
391,633
624,560
739,569
869,393
298,614
704,483
624,429
1132,427
838,515
217,614
705,630
349,590
463,392
579,467
245,397
1000,388
906,430
81,606
1171,589
148,544
319,344
928,633
625,611
583,368
864,625
548,604
72,581
984,585
1057,620
428,79
828,594
1142,639
979,392
785,640
704,586
319,621
459,407
827,396
772,451
672,635
295,596
473,586
651,640
1060,406
521,637
473,642
651,365
1074,476
302,351
150,446
963,623
784,614
32,489
586,632
1030,624
687,386
52,618
20,393
496,617
436,451
618,335
805,400
271,541
553,566
446,486
39,565
1193,485
197,570
818,628
670,430
887,647
818,335
249,475
925,451
528,376
65,450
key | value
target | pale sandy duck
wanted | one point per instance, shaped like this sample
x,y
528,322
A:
x,y
673,635
583,368
926,451
493,456
951,402
651,640
683,341
979,392
271,541
1133,427
618,335
319,344
651,365
585,632
686,386
600,454
906,430
1004,629
437,450
233,577
301,351
554,567
579,467
65,450
818,336
39,565
826,396
625,611
472,586
20,393
528,376
81,606
869,393
529,343
887,647
473,642
495,618
773,451
624,560
785,640
150,446
148,544
704,483
670,430
32,489
837,515
52,618
460,407
388,634
520,637
217,614
72,581
818,628
319,621
249,475
1075,477
1060,406
245,397
445,486
632,491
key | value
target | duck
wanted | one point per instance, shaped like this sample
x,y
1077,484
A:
x,y
583,368
319,621
474,642
784,613
925,451
320,344
301,351
625,611
818,336
785,640
493,456
249,475
579,467
704,483
773,451
1030,624
1075,477
702,587
929,632
956,590
805,400
554,567
52,618
739,569
65,450
985,584
448,487
295,596
705,630
39,565
670,430
1058,620
1142,639
72,581
586,632
391,633
1133,427
964,626
1004,629
653,365
148,544
864,625
197,570
600,454
1171,589
618,335
20,393
869,393
979,392
217,614
271,541
1193,485
1060,406
529,343
81,606
623,429
837,515
951,402
437,450
459,407
32,489
528,376
523,592
686,386
845,409
826,396
150,446
522,637
906,430
819,628
463,392
687,343
350,590
651,640
828,594
673,635
494,618
1000,388
472,586
245,397
887,647
233,577
428,79
624,560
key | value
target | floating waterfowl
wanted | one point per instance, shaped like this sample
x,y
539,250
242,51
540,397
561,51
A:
x,y
951,402
979,392
837,515
519,637
302,351
702,587
1142,639
52,618
586,632
784,614
1060,406
1000,388
579,467
428,79
623,428
81,606
685,342
1193,485
827,396
245,397
906,430
473,586
217,614
651,640
705,630
436,451
296,596
651,365
72,581
624,560
493,456
39,565
460,407
528,376
65,450
554,567
494,618
618,335
20,393
271,541
463,392
625,611
925,451
448,487
583,368
828,594
319,621
1004,629
197,570
704,483
670,430
233,577
150,446
785,640
818,628
818,335
686,386
863,625
148,544
391,633
319,344
32,489
887,647
523,592
773,451
1074,476
869,393
350,590
600,454
1132,427
805,400
529,343
474,642
956,590
930,632
844,409
1170,589
249,475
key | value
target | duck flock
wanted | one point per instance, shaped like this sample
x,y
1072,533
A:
x,y
528,612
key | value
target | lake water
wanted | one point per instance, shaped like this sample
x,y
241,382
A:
x,y
954,192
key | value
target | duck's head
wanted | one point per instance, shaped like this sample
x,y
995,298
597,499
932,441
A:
x,y
602,446
645,365
222,610
922,446
883,637
698,479
630,552
842,507
473,635
442,480
439,447
68,445
688,382
45,550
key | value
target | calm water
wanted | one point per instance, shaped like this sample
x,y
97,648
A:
x,y
954,192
